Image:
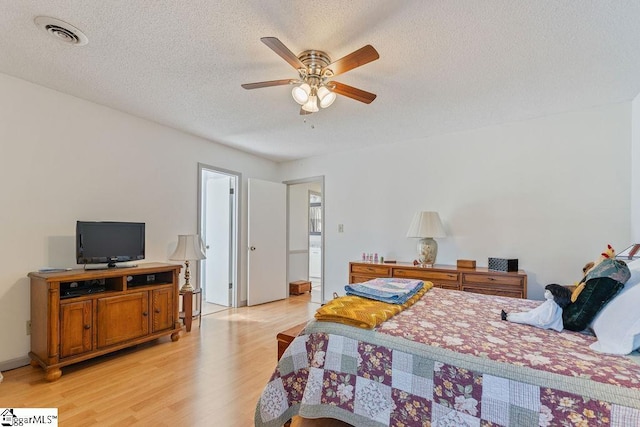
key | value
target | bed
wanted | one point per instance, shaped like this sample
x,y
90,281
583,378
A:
x,y
449,360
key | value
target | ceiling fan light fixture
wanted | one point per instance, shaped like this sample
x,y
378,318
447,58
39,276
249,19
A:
x,y
301,93
326,97
311,105
311,89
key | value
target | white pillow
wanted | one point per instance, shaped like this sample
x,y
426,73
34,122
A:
x,y
617,326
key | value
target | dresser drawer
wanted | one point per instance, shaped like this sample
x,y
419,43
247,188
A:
x,y
508,285
498,279
447,285
432,276
503,291
375,270
357,278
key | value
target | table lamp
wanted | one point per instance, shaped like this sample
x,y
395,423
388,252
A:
x,y
426,226
190,248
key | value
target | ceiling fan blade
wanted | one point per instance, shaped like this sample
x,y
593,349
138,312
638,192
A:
x,y
278,47
362,56
352,92
258,85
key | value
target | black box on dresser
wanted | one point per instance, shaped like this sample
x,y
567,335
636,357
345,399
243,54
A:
x,y
503,264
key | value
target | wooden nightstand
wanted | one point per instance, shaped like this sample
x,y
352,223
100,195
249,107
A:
x,y
188,312
285,337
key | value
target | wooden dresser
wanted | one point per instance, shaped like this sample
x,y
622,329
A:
x,y
479,280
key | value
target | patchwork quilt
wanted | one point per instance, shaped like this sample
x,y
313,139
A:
x,y
386,289
449,360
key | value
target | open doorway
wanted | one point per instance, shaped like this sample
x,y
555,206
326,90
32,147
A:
x,y
315,245
218,227
305,241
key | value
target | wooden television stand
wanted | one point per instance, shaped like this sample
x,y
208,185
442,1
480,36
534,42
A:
x,y
80,314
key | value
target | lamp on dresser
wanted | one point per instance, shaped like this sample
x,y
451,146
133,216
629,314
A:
x,y
426,226
190,248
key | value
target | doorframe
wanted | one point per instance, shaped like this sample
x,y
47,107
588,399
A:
x,y
236,277
320,179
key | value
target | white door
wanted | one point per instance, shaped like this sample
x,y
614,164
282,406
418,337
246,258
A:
x,y
267,231
218,238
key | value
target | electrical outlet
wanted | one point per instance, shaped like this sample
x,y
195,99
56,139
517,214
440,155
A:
x,y
28,327
340,228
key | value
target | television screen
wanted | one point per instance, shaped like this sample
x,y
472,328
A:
x,y
100,242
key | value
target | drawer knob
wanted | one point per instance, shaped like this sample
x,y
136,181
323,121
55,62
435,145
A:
x,y
157,310
144,313
87,326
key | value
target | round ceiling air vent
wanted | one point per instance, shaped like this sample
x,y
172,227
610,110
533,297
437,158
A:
x,y
61,31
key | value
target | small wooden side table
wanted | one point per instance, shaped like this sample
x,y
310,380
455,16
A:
x,y
299,287
188,312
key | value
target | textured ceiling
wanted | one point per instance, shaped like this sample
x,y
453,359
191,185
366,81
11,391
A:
x,y
444,65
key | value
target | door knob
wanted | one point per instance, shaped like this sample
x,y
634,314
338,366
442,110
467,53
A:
x,y
253,248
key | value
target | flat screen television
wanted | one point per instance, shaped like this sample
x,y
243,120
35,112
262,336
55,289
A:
x,y
109,242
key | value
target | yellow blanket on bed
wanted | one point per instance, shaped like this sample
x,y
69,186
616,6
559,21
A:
x,y
363,312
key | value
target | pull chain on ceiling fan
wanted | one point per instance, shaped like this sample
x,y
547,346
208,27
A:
x,y
314,89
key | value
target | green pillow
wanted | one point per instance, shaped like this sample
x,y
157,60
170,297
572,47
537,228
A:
x,y
602,283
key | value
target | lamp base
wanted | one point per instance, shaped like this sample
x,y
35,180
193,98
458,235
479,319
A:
x,y
187,286
427,251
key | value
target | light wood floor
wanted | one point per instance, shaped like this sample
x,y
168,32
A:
x,y
211,376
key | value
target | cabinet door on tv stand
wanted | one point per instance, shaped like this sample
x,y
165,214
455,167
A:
x,y
162,308
76,327
122,318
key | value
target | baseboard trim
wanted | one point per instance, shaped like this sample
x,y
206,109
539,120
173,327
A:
x,y
14,363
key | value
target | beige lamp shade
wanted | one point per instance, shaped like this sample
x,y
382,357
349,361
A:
x,y
425,226
190,248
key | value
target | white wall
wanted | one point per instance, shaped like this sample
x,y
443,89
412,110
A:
x,y
63,159
551,191
635,171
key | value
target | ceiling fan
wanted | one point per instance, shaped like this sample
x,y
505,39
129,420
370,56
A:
x,y
314,88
